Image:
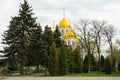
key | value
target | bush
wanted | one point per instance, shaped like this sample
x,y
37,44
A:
x,y
119,66
108,66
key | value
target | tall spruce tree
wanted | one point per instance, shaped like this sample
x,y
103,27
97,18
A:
x,y
62,62
47,37
19,32
35,46
53,60
57,39
28,24
78,61
11,40
70,60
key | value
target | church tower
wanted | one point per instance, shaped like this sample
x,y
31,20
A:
x,y
67,34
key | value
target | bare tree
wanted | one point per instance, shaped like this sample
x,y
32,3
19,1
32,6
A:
x,y
97,29
109,32
86,36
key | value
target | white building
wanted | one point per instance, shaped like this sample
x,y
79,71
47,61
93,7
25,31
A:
x,y
67,34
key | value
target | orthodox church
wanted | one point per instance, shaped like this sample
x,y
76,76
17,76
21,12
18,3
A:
x,y
67,34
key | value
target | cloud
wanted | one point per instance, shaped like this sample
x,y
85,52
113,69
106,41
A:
x,y
109,12
49,10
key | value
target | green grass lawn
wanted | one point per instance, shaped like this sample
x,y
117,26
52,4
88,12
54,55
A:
x,y
94,74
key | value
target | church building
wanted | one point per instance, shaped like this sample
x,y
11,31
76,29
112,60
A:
x,y
67,34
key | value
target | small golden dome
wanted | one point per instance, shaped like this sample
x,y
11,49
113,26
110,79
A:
x,y
64,23
71,34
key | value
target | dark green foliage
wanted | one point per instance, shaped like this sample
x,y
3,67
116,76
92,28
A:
x,y
62,65
102,63
78,61
93,64
57,38
12,63
119,66
47,38
17,37
2,62
38,48
70,60
15,40
85,66
108,66
48,35
53,60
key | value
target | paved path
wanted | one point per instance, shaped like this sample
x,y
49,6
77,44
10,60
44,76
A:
x,y
59,78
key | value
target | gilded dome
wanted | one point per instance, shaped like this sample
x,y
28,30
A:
x,y
71,34
64,23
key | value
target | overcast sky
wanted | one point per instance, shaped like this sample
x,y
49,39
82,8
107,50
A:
x,y
48,10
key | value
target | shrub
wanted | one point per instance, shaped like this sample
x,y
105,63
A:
x,y
108,66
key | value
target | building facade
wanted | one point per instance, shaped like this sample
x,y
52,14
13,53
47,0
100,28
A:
x,y
67,34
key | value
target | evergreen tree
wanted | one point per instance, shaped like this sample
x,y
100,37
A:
x,y
47,38
108,66
48,35
62,65
28,24
78,61
119,66
57,38
18,34
93,65
85,66
70,60
35,57
53,60
13,38
102,62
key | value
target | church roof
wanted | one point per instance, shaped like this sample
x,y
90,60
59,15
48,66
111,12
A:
x,y
71,34
64,23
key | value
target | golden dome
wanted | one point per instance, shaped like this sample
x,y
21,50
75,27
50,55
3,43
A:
x,y
64,23
71,34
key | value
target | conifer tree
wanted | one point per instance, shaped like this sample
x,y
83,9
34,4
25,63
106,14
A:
x,y
78,61
102,62
37,48
47,37
13,40
62,62
57,38
108,65
53,60
70,60
85,65
17,37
